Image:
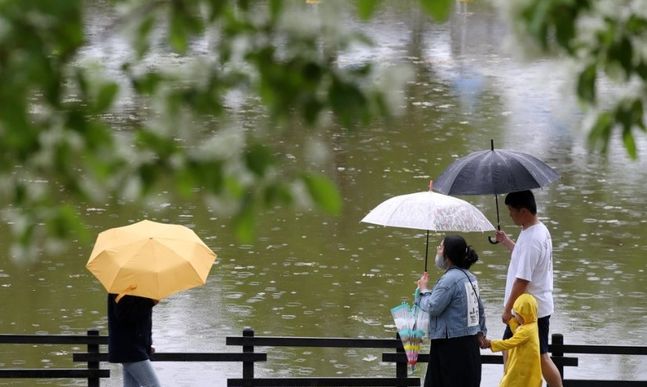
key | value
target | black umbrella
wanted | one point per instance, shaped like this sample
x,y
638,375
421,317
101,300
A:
x,y
494,171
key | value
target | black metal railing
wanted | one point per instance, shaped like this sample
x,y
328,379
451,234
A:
x,y
250,355
249,342
559,349
91,371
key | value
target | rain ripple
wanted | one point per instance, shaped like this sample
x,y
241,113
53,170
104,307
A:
x,y
590,296
366,320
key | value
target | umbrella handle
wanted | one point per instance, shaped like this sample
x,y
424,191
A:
x,y
498,225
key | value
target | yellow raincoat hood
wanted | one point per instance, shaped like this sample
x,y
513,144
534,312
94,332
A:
x,y
523,368
526,307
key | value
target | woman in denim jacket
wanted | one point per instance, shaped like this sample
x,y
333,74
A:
x,y
457,318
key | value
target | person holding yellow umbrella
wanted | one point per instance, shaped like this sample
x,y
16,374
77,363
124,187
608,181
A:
x,y
139,265
130,342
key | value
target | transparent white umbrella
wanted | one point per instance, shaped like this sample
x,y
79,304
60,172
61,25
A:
x,y
429,211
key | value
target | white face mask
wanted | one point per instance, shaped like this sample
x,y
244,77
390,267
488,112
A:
x,y
441,262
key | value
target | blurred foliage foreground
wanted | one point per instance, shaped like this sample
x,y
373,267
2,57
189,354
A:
x,y
68,139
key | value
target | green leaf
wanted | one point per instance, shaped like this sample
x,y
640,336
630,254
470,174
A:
x,y
20,194
323,192
601,131
586,84
629,113
178,35
348,102
105,97
142,38
636,25
366,8
216,9
258,158
185,182
437,9
148,174
162,146
621,52
233,186
641,70
244,222
209,175
98,135
81,82
66,223
311,109
637,113
624,115
537,18
564,24
147,84
277,193
275,8
629,142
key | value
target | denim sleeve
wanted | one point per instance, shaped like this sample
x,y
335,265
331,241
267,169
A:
x,y
437,300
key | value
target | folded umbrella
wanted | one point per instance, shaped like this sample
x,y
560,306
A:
x,y
412,323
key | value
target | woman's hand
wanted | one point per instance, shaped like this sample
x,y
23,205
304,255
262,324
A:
x,y
423,281
484,342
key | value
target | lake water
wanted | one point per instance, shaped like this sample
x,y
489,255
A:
x,y
308,274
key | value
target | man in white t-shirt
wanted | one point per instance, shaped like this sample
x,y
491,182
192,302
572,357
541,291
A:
x,y
530,271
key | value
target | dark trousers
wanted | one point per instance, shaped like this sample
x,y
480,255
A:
x,y
454,362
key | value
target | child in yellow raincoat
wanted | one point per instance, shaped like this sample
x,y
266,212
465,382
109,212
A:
x,y
523,367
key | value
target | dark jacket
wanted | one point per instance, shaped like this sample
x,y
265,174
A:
x,y
130,325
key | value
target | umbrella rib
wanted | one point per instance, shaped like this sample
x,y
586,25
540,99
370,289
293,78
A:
x,y
158,278
527,161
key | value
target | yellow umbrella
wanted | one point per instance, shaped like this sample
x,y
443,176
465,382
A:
x,y
150,259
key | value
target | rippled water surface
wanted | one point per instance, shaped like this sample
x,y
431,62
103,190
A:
x,y
314,275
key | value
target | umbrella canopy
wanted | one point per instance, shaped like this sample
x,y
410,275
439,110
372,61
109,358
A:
x,y
150,259
494,171
429,211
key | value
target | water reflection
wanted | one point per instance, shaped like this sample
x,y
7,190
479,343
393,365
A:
x,y
312,275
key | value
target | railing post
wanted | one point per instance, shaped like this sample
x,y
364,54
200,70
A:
x,y
557,341
400,367
93,381
248,366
